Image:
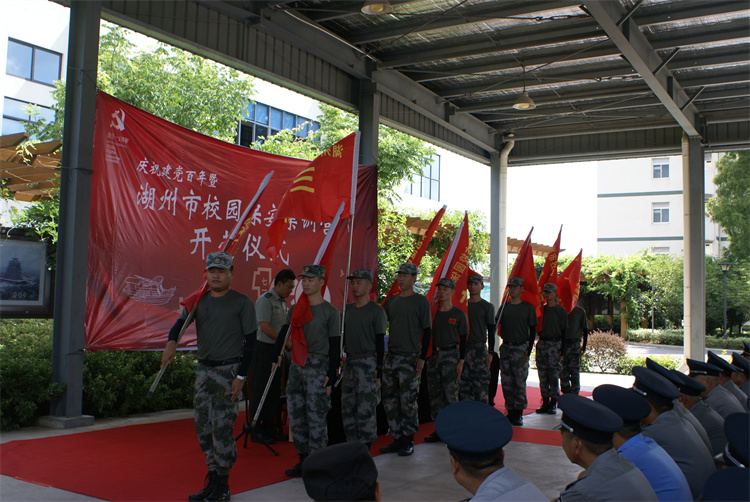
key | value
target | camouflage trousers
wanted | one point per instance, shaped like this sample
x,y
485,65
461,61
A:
x,y
400,390
547,360
514,370
215,414
442,381
570,368
475,378
359,399
308,405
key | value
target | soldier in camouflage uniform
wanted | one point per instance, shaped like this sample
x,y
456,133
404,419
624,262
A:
x,y
517,320
550,348
475,378
316,357
226,325
364,331
409,321
575,346
444,367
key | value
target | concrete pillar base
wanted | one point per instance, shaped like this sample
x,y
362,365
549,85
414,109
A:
x,y
54,422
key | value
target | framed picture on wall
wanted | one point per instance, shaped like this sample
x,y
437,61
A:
x,y
25,287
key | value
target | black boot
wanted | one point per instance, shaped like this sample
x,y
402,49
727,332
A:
x,y
393,447
432,438
545,406
210,484
552,410
296,471
515,417
221,489
407,446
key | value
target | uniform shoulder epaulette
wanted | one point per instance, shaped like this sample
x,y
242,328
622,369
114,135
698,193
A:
x,y
268,295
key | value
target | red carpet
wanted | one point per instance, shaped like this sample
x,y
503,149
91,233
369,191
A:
x,y
162,461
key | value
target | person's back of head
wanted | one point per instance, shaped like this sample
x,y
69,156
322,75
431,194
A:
x,y
343,471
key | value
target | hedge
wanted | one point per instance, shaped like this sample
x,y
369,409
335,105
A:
x,y
675,337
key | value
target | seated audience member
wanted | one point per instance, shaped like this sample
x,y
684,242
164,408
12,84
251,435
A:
x,y
733,482
742,377
343,471
662,473
725,377
587,428
716,396
677,438
475,434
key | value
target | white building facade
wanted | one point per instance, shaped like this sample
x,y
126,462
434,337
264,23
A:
x,y
640,206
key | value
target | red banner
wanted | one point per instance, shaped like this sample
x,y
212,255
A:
x,y
163,197
549,274
569,283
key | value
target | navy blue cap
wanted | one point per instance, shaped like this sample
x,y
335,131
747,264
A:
x,y
688,386
653,386
721,363
588,419
727,484
746,349
654,366
701,368
343,471
473,430
742,364
737,431
629,405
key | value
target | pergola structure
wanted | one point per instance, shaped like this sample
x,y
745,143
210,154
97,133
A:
x,y
30,173
607,78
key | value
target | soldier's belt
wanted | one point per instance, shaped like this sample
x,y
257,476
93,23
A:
x,y
515,344
362,355
447,347
475,345
317,356
214,364
550,339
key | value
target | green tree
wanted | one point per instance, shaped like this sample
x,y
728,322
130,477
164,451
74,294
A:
x,y
731,206
664,274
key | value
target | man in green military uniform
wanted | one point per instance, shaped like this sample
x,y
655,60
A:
x,y
475,377
271,311
409,322
550,348
575,346
517,320
225,322
449,332
364,331
315,336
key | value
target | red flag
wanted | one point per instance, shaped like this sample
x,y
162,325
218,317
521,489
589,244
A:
x,y
569,283
419,251
318,190
549,273
524,268
454,266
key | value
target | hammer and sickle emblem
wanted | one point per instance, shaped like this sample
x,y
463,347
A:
x,y
118,120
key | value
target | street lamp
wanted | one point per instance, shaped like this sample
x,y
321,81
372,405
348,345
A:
x,y
725,269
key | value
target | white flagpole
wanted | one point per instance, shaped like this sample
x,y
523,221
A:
x,y
355,173
451,252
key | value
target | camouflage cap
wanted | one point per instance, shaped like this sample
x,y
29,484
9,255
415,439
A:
x,y
448,283
361,273
313,271
515,281
550,286
219,259
475,278
408,268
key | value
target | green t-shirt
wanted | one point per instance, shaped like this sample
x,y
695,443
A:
x,y
222,323
576,323
408,317
361,326
481,315
516,321
554,323
325,324
270,308
448,326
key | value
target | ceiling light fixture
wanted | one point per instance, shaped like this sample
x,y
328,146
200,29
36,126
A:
x,y
524,101
377,7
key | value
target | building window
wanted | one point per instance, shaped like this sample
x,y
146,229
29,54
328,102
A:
x,y
16,114
660,211
660,168
660,250
33,63
427,185
261,121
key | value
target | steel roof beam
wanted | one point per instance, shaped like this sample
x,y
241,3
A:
x,y
644,59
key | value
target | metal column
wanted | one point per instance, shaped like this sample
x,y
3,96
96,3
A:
x,y
75,190
369,117
694,249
